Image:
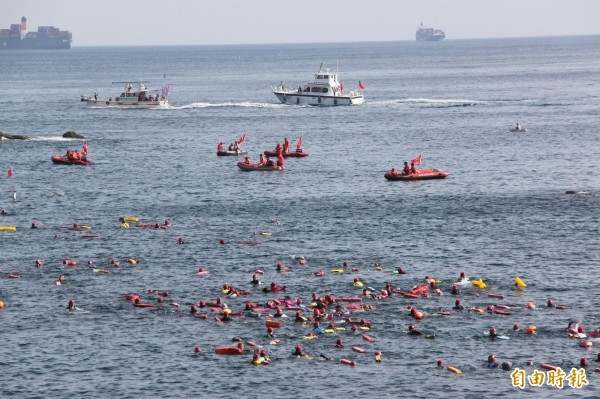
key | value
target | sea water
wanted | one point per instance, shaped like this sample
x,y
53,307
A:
x,y
503,212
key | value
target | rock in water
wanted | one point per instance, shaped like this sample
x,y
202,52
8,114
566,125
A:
x,y
12,136
72,135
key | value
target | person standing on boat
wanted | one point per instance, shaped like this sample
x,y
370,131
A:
x,y
261,160
286,145
413,168
95,95
280,159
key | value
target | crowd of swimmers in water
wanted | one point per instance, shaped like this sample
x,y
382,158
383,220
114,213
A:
x,y
323,321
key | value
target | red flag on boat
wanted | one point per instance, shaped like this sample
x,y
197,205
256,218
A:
x,y
417,160
299,145
84,152
362,86
9,172
341,87
242,139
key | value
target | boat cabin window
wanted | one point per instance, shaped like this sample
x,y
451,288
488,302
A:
x,y
319,76
326,76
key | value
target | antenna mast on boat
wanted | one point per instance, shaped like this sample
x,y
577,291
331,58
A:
x,y
320,66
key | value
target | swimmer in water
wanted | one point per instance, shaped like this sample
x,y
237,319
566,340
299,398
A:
x,y
298,351
492,361
318,329
493,333
339,343
255,280
299,318
458,306
455,290
71,305
413,331
463,277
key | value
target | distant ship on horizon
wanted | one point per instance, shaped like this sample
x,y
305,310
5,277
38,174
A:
x,y
425,34
46,37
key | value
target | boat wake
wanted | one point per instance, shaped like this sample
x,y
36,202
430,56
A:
x,y
245,104
431,102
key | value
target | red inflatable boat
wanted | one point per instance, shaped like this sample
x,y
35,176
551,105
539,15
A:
x,y
297,154
252,166
66,161
424,174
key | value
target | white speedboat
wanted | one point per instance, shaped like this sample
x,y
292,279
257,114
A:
x,y
134,95
324,90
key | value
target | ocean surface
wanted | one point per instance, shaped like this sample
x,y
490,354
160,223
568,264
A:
x,y
503,212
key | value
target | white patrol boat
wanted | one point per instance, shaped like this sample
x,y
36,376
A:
x,y
133,96
324,90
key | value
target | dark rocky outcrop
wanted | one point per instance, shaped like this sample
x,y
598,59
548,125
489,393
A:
x,y
13,136
72,135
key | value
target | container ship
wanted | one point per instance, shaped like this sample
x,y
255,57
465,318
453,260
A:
x,y
425,34
46,37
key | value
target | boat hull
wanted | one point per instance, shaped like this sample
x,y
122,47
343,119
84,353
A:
x,y
522,130
57,159
292,154
163,104
426,174
294,98
251,167
231,153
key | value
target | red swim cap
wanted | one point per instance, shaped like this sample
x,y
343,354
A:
x,y
222,242
440,363
345,263
197,349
